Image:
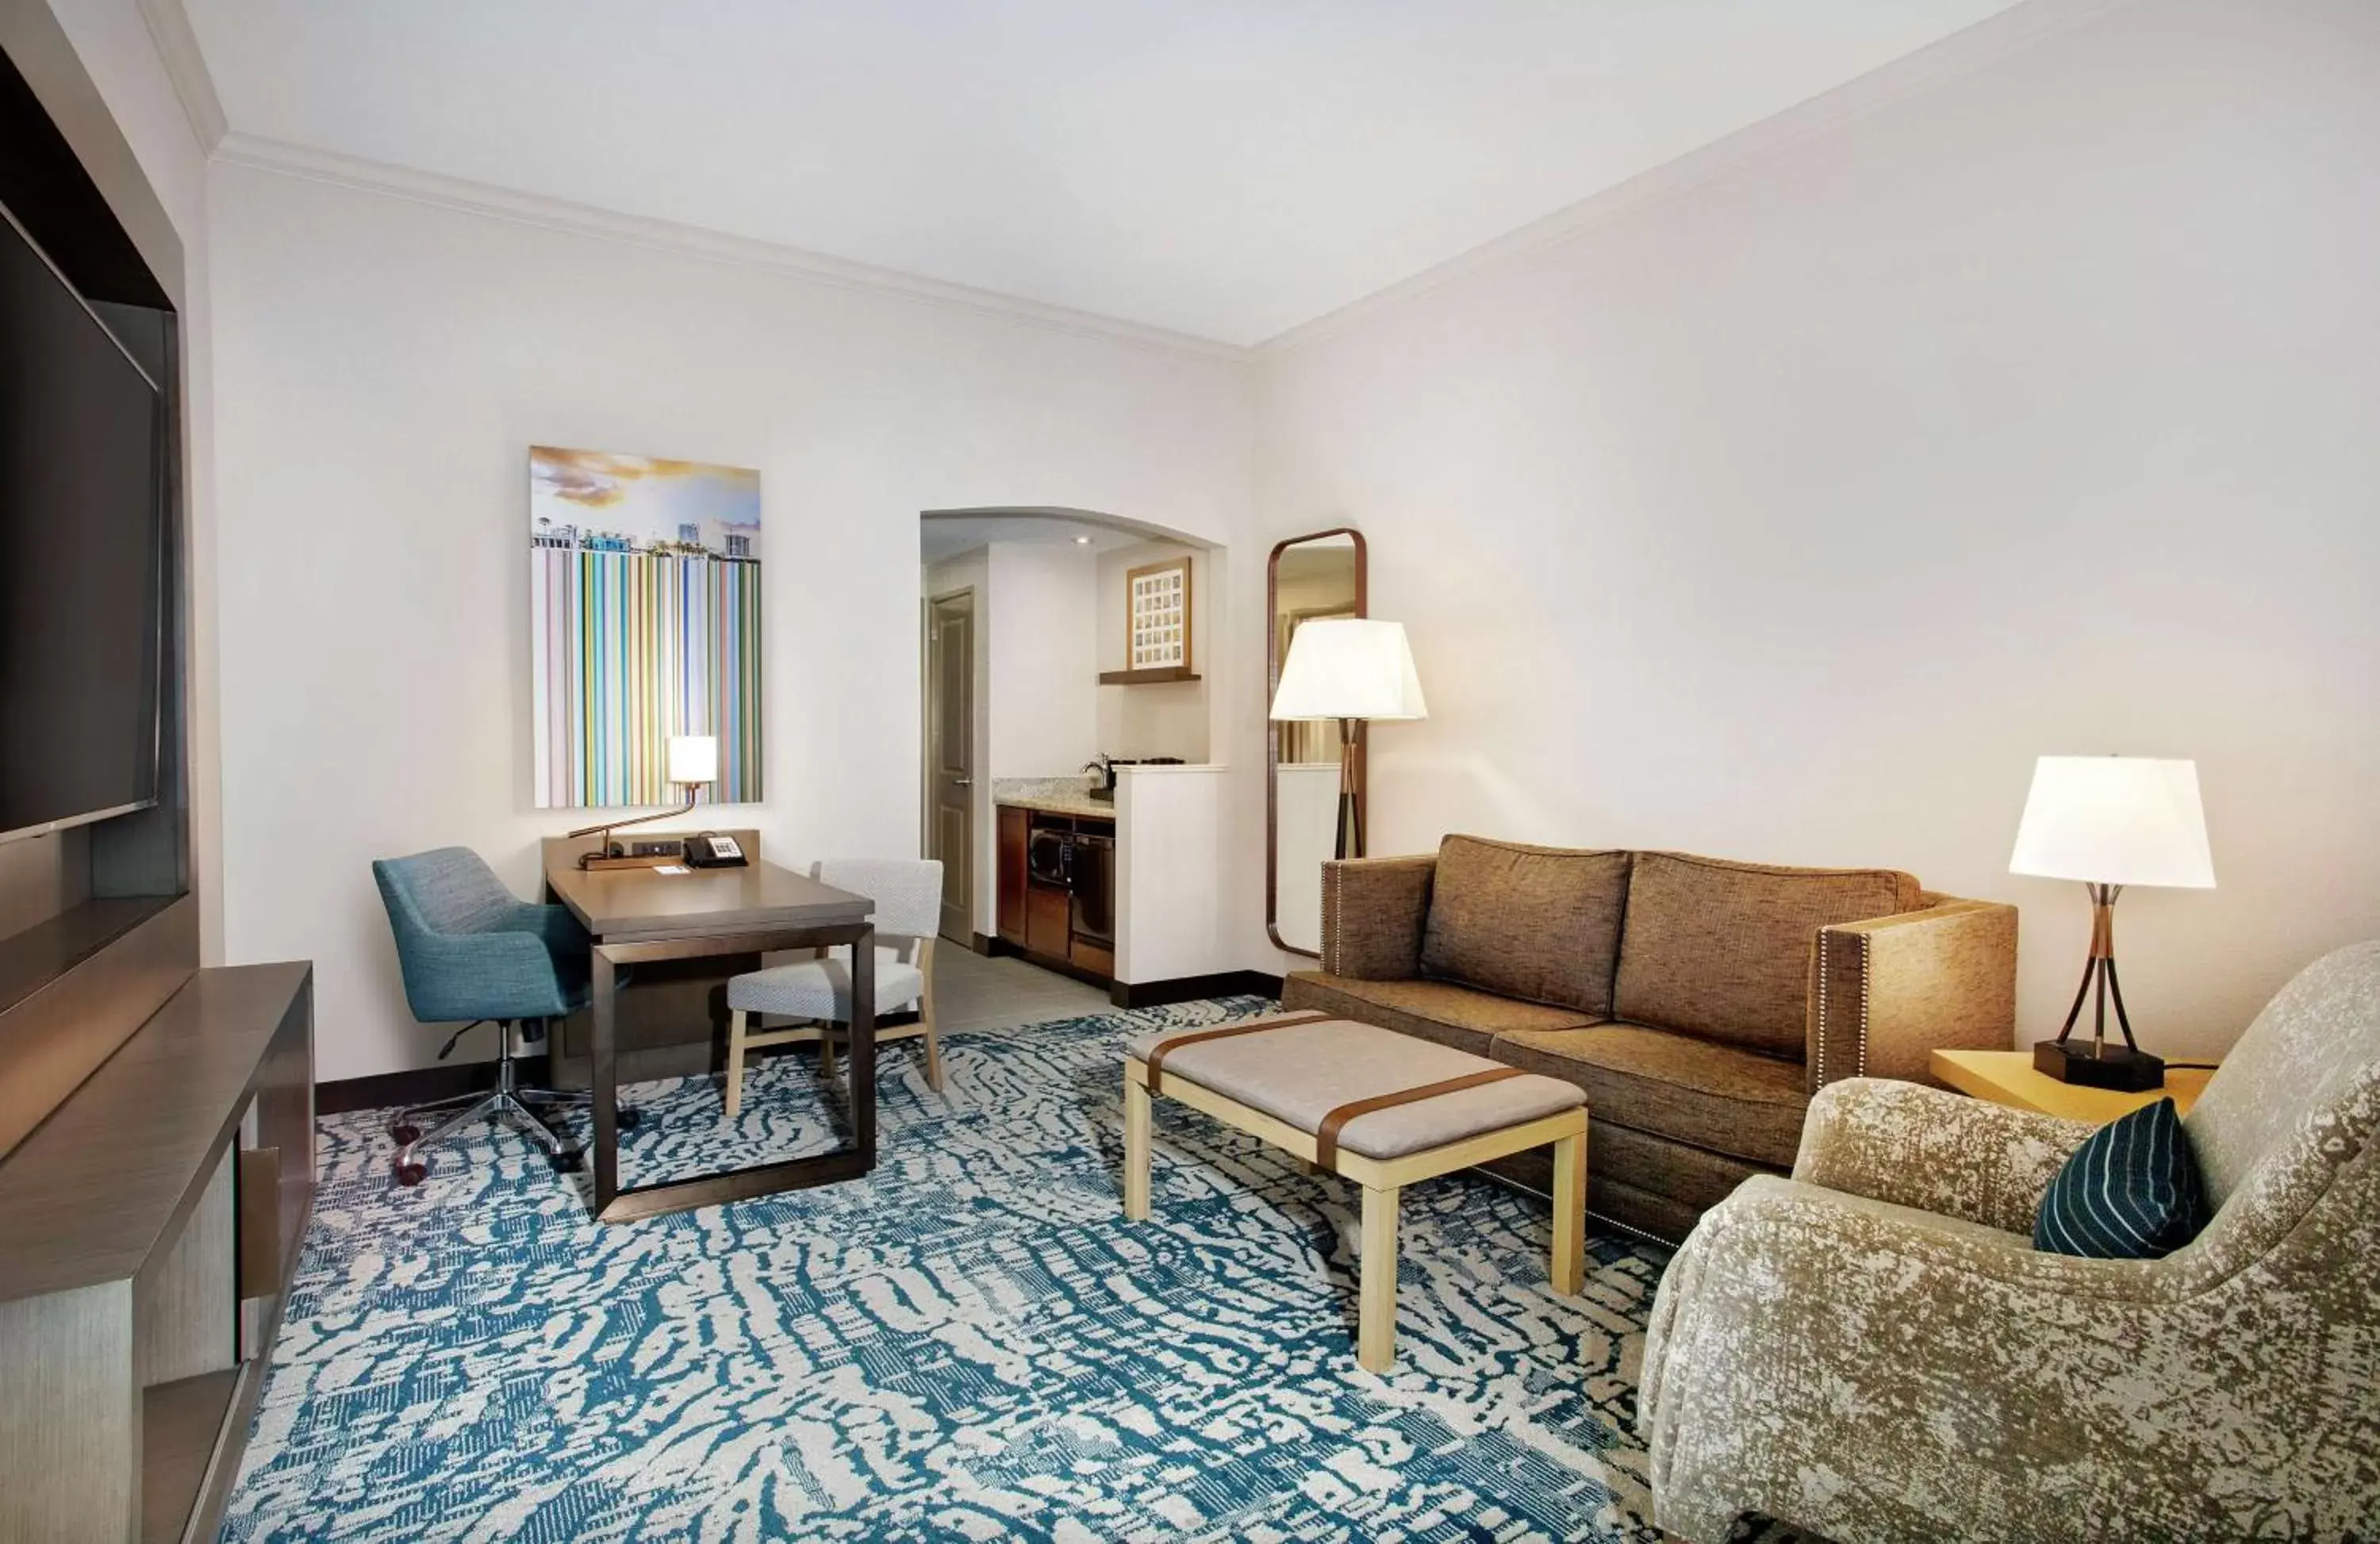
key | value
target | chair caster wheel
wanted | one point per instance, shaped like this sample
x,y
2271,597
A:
x,y
629,1117
403,1133
412,1174
567,1162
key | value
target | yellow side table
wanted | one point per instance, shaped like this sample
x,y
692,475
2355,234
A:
x,y
2007,1077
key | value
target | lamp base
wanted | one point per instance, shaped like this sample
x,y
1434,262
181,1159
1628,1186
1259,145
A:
x,y
1351,809
595,865
2092,1065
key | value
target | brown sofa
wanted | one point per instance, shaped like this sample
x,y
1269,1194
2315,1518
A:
x,y
1700,1003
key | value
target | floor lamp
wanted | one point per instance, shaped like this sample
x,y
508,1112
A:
x,y
1349,670
2109,821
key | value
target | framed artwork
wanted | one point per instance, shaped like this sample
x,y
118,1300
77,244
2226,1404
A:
x,y
645,618
1157,604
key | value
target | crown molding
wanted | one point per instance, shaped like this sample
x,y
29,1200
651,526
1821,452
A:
x,y
186,67
1960,55
284,159
1952,58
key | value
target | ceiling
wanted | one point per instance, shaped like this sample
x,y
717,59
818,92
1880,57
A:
x,y
1223,168
947,535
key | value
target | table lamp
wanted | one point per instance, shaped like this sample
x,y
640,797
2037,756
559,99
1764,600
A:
x,y
1349,669
693,761
2109,821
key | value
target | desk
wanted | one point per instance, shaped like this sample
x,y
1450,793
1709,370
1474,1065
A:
x,y
2008,1077
635,914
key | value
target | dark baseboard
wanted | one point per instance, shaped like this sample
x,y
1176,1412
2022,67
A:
x,y
1150,994
388,1090
385,1090
1187,988
984,945
1055,965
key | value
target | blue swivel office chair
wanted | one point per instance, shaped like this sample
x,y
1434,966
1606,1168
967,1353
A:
x,y
473,952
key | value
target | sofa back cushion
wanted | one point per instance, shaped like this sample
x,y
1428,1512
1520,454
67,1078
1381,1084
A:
x,y
1541,924
1722,950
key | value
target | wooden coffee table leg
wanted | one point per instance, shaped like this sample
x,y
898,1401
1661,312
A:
x,y
1376,1286
1135,1150
1568,1268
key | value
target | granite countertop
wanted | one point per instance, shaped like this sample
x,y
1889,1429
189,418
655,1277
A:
x,y
1051,795
1082,806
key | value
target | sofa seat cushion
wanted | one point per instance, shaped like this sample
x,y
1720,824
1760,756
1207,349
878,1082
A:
x,y
1541,924
1711,1095
1437,1011
1722,950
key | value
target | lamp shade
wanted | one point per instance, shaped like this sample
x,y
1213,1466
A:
x,y
1349,667
2114,820
693,759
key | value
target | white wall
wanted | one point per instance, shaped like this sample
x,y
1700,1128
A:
x,y
384,363
1169,719
1036,625
1790,511
1044,639
1786,510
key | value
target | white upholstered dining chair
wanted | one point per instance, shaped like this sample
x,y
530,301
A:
x,y
908,896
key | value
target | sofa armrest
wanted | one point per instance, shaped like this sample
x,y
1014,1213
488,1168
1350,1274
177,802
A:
x,y
1887,992
1938,1152
1373,913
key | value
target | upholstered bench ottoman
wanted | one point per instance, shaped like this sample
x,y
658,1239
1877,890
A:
x,y
1385,1110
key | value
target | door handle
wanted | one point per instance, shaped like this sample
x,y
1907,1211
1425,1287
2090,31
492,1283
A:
x,y
963,783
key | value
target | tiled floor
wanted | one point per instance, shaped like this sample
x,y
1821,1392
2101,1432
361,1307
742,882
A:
x,y
973,992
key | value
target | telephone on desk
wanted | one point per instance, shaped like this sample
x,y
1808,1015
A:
x,y
709,850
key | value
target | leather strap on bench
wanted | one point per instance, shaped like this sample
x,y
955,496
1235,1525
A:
x,y
1326,1136
1155,1060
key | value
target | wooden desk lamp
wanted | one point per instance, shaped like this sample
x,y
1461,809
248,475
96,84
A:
x,y
693,761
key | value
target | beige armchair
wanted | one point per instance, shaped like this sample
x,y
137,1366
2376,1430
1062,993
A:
x,y
1872,1350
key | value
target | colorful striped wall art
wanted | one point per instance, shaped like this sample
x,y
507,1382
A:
x,y
645,617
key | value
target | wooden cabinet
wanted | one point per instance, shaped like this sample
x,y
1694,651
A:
x,y
1038,918
1047,929
152,1225
1014,825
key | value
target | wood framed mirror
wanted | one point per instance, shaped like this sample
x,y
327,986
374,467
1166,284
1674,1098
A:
x,y
1321,573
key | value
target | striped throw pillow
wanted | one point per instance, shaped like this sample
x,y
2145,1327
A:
x,y
2132,1192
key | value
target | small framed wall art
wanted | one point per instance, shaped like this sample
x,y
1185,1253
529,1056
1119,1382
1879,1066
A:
x,y
1157,603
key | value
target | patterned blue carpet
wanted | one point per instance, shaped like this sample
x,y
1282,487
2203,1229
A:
x,y
971,1343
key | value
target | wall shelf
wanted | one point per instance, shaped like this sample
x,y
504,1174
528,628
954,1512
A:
x,y
1160,676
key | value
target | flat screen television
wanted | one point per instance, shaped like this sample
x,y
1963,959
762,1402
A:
x,y
81,558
